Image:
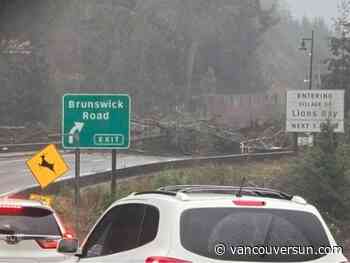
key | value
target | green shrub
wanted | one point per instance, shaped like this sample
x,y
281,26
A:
x,y
322,175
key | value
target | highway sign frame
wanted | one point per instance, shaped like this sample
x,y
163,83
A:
x,y
94,146
306,110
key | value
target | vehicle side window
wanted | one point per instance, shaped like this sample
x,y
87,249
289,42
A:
x,y
150,225
123,228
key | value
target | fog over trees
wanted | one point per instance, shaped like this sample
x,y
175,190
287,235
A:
x,y
161,52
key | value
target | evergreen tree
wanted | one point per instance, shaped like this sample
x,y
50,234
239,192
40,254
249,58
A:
x,y
338,76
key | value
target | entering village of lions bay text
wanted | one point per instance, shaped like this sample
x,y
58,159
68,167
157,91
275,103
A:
x,y
307,111
315,95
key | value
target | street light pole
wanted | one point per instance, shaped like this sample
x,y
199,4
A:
x,y
343,60
303,47
311,60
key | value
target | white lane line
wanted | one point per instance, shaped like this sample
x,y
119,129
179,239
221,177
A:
x,y
13,161
97,160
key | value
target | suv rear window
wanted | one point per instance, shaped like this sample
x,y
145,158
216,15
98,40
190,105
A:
x,y
28,221
204,228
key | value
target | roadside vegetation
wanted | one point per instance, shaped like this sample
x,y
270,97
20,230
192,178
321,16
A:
x,y
320,175
94,200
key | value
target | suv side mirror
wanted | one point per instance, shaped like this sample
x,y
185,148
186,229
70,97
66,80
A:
x,y
68,246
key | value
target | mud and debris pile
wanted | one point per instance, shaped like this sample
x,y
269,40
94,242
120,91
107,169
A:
x,y
184,134
30,133
265,138
179,133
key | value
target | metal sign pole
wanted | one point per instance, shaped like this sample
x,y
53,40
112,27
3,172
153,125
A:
x,y
77,186
295,142
114,173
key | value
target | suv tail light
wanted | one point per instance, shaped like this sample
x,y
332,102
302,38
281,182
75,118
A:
x,y
47,244
9,209
165,260
68,235
249,203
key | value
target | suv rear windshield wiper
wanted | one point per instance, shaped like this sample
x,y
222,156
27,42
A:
x,y
30,237
7,231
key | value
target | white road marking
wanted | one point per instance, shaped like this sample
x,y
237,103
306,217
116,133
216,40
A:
x,y
12,161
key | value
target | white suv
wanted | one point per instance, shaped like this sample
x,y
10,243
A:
x,y
29,232
208,224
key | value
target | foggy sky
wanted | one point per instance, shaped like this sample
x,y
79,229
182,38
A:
x,y
312,8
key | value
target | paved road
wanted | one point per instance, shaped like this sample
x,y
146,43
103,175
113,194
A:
x,y
14,173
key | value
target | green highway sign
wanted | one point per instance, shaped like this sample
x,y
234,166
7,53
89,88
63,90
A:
x,y
96,121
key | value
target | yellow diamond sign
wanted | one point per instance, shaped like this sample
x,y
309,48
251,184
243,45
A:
x,y
41,198
47,165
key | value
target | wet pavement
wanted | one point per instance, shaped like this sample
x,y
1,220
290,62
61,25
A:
x,y
14,173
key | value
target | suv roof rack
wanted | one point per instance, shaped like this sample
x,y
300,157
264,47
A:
x,y
156,192
250,191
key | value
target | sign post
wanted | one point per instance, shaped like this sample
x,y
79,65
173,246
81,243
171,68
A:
x,y
77,185
114,174
295,142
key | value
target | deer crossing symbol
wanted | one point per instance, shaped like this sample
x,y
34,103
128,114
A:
x,y
44,163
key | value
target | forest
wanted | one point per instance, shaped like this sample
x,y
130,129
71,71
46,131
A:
x,y
161,52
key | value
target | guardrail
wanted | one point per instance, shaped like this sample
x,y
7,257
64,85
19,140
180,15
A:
x,y
24,147
94,179
34,146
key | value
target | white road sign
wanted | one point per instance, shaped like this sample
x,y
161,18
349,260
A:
x,y
307,110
